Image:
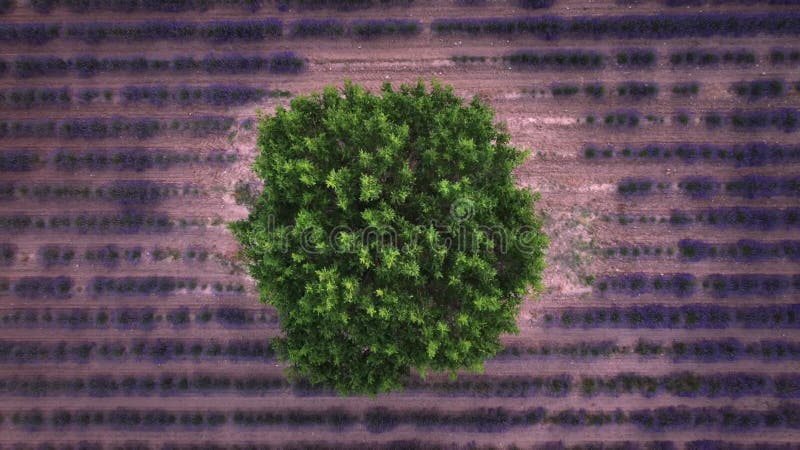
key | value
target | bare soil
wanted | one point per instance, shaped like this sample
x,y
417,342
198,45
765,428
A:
x,y
576,194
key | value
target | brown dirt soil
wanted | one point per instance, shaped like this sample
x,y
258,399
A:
x,y
576,194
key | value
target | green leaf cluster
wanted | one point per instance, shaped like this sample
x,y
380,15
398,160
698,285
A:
x,y
390,235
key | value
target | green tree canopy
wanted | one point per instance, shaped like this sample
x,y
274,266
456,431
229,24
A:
x,y
390,234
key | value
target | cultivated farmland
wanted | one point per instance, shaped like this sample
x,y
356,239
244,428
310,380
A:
x,y
664,143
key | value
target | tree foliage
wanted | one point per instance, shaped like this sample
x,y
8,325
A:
x,y
390,234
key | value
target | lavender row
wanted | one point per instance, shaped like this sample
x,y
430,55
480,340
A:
x,y
381,419
130,222
686,89
34,420
589,350
371,28
684,285
103,286
127,192
635,90
222,31
745,250
417,444
115,127
8,254
89,66
682,384
364,29
689,384
663,26
781,56
536,4
623,118
702,57
120,159
717,350
177,6
692,316
30,97
680,285
704,187
691,250
636,251
29,33
726,419
165,385
133,318
111,255
159,419
764,219
741,155
723,286
750,186
160,350
634,187
62,287
340,5
170,384
699,187
570,59
131,159
97,128
759,89
681,3
709,444
330,28
567,59
96,32
215,32
129,6
215,95
703,350
31,352
784,119
34,288
636,58
156,351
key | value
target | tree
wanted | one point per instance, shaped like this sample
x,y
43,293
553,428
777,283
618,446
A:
x,y
389,235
